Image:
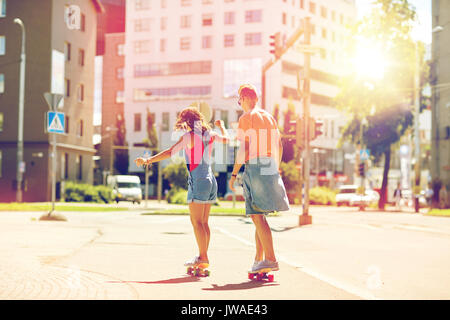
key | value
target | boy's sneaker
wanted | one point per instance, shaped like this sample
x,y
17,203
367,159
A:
x,y
266,264
193,262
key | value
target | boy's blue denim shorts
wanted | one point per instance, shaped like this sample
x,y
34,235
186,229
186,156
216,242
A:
x,y
202,190
264,190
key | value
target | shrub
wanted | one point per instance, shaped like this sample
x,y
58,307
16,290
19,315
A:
x,y
177,196
79,192
177,175
322,196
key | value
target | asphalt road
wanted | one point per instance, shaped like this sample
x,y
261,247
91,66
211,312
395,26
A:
x,y
344,254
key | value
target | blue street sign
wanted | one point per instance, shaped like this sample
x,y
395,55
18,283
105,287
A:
x,y
55,122
364,154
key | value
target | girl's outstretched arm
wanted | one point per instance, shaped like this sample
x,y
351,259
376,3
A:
x,y
163,155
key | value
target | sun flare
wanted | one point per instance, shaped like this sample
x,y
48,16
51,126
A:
x,y
370,61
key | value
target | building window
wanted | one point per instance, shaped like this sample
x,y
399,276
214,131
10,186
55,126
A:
x,y
141,46
207,20
81,55
324,33
67,88
163,4
163,23
141,4
120,49
207,1
162,45
284,18
1,121
207,42
141,25
80,128
120,98
168,69
185,43
119,73
165,121
312,7
137,122
2,83
2,45
228,40
65,166
67,50
80,93
185,21
302,4
2,8
253,16
333,16
229,17
79,162
83,23
186,3
252,39
172,93
66,124
323,12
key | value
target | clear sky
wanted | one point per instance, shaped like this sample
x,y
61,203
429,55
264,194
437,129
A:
x,y
422,30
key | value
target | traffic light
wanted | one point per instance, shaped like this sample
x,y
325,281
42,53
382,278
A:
x,y
300,133
276,45
361,169
315,128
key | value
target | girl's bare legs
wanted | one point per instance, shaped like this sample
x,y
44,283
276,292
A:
x,y
201,234
206,210
259,248
264,235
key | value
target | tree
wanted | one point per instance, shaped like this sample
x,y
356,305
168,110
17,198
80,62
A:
x,y
385,101
177,175
121,161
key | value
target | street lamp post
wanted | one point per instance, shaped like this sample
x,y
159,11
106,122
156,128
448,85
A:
x,y
20,163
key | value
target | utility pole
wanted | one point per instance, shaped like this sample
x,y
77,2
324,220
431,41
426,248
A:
x,y
416,131
20,164
305,218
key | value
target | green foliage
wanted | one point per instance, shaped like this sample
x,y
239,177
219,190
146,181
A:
x,y
80,192
322,196
177,196
177,175
290,175
152,137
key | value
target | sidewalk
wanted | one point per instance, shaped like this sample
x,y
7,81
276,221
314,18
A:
x,y
124,255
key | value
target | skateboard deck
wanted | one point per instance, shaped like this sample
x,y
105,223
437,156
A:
x,y
199,270
261,275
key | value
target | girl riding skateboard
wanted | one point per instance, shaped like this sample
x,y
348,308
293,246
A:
x,y
197,143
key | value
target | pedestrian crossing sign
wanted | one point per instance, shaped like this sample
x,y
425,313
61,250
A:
x,y
55,122
364,154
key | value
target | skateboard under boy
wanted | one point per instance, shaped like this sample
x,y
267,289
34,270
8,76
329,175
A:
x,y
199,270
261,275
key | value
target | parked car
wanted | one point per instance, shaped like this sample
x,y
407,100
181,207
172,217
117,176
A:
x,y
348,195
126,188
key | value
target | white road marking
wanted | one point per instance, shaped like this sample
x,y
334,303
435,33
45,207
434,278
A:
x,y
335,283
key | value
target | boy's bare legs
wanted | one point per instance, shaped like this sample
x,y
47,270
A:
x,y
264,234
201,234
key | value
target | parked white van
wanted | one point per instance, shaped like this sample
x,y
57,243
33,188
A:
x,y
126,188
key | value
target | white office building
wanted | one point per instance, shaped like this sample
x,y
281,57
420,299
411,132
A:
x,y
181,51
